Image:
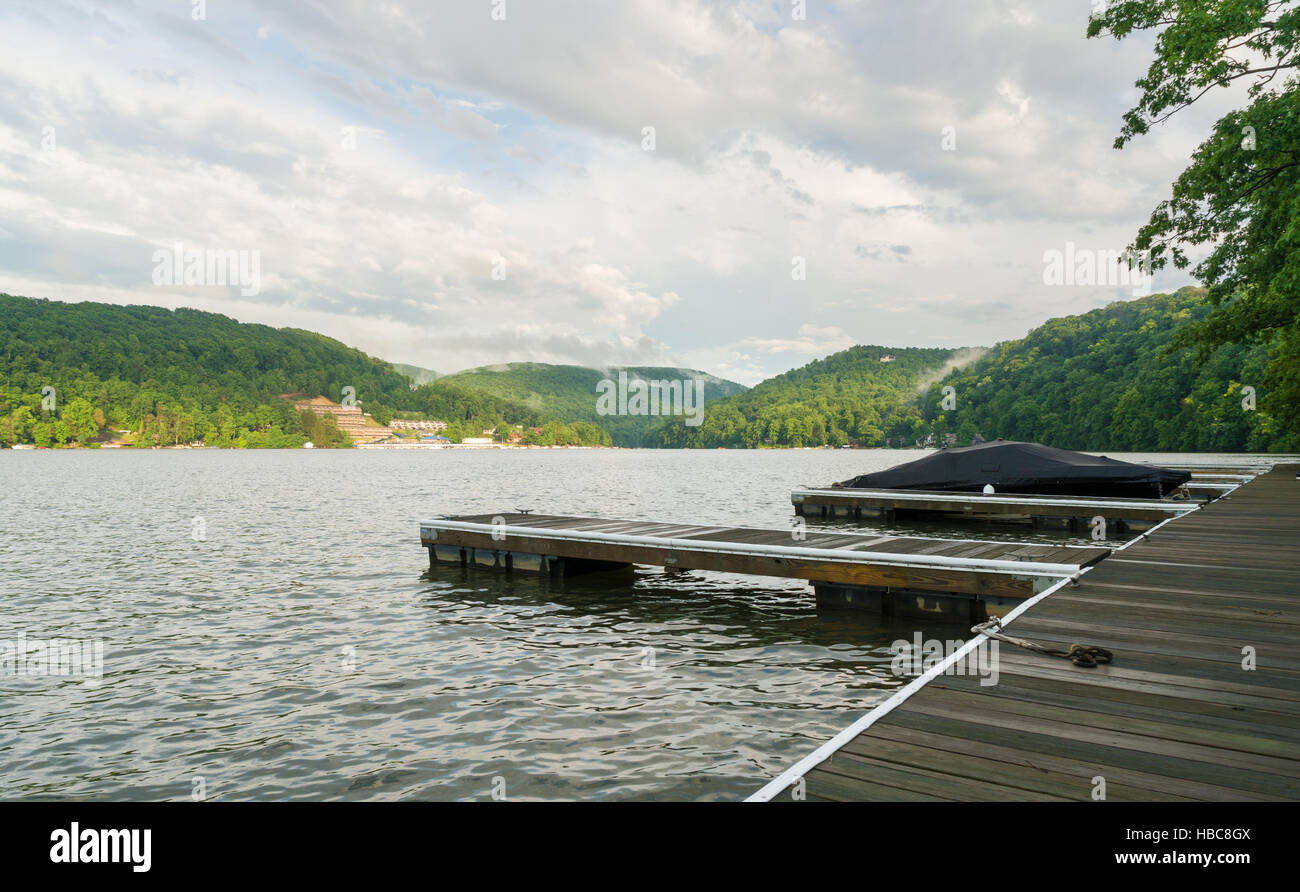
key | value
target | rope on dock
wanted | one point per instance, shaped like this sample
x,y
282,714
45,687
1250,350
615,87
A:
x,y
1085,655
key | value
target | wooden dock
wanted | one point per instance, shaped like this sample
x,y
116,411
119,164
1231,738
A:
x,y
1201,702
887,574
1075,511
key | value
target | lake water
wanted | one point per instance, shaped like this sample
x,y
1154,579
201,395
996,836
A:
x,y
271,626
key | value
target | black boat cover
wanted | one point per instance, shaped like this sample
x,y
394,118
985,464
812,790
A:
x,y
1014,467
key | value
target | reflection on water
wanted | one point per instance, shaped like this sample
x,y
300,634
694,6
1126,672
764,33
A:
x,y
272,626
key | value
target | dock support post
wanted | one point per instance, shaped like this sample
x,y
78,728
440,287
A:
x,y
447,554
567,566
518,561
866,598
901,602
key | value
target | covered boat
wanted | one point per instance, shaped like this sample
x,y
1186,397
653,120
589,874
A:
x,y
1012,467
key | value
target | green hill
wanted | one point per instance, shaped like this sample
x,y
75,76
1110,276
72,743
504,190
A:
x,y
848,397
569,393
172,376
1109,379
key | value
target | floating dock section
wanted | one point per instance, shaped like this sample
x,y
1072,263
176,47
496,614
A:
x,y
891,575
1201,701
1073,511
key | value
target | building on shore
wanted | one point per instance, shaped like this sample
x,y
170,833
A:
x,y
406,424
350,419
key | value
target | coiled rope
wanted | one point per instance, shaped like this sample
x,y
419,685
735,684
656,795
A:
x,y
1085,655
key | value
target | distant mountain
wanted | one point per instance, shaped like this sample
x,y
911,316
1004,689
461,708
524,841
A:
x,y
570,393
417,374
862,395
1112,379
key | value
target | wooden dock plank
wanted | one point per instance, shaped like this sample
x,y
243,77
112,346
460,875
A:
x,y
912,781
1150,642
1202,675
1176,714
1148,687
968,757
993,765
1124,699
1237,737
1054,724
1204,582
1112,592
834,787
1257,628
1104,757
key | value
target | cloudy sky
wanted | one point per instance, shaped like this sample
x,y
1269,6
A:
x,y
440,184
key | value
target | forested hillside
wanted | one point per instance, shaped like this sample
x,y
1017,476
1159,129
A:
x,y
568,393
848,397
174,376
1109,379
1116,378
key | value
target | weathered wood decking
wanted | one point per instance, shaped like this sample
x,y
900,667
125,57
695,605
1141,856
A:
x,y
970,568
1176,716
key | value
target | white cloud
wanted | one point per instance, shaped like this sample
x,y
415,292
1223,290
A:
x,y
521,140
812,340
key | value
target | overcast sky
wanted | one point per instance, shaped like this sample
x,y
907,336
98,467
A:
x,y
384,159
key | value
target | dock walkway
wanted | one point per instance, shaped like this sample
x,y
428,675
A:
x,y
1178,715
